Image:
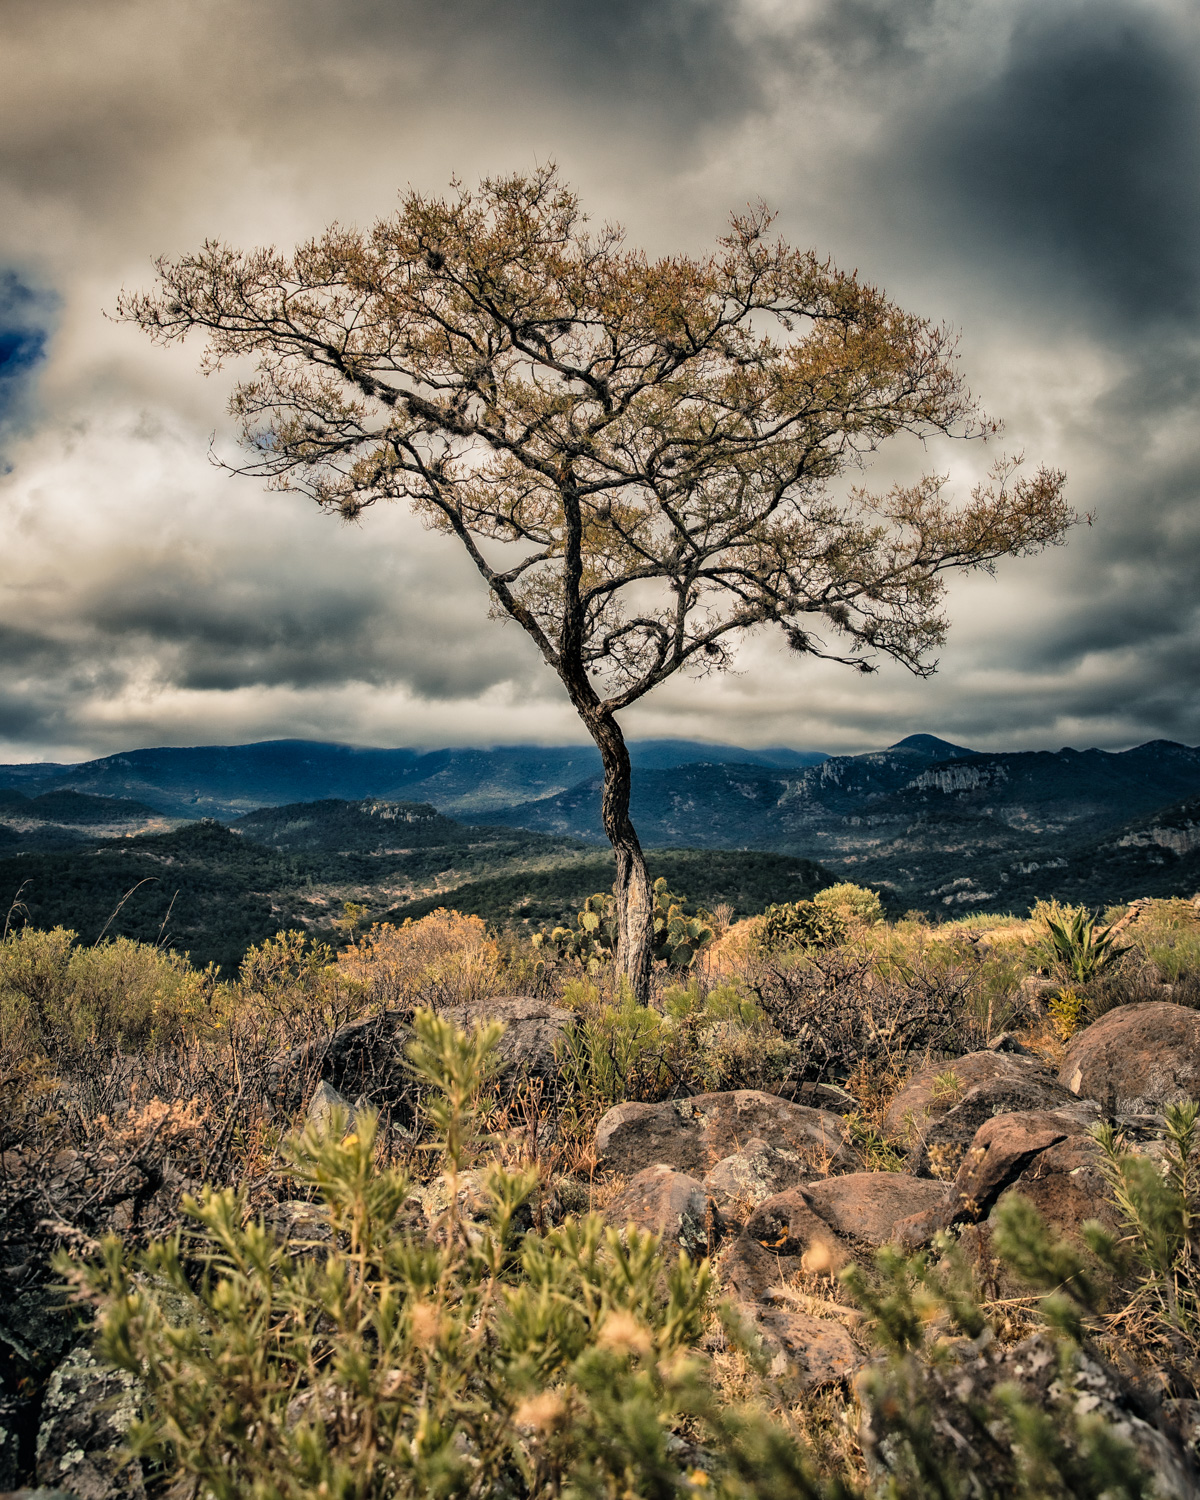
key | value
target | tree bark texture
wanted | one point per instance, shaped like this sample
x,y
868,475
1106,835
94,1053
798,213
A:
x,y
634,899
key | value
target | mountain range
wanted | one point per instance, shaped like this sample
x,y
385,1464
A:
x,y
224,781
935,825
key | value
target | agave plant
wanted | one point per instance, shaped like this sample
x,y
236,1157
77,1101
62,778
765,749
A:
x,y
1081,950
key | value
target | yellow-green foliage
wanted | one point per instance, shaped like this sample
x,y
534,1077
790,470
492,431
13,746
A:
x,y
855,904
444,958
799,924
401,1365
472,1362
677,938
613,1051
58,999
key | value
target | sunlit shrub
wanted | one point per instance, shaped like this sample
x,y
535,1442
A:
x,y
61,1000
857,905
442,959
798,924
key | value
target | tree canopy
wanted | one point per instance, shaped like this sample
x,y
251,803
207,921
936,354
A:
x,y
639,455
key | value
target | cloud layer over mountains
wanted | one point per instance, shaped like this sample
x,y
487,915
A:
x,y
1026,170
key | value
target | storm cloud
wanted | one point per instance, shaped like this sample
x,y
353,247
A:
x,y
1029,173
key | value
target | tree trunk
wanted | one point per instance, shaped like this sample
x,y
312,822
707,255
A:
x,y
634,899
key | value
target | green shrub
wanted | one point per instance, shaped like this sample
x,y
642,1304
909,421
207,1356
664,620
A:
x,y
799,924
857,905
612,1052
1160,1205
1078,950
60,1001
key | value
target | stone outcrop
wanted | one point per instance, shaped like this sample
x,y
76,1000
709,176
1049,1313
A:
x,y
1136,1058
693,1135
667,1203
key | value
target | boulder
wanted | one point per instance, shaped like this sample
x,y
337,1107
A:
x,y
363,1060
960,1391
87,1411
1136,1059
868,1206
739,1183
803,1349
693,1135
1047,1157
667,1203
787,1225
324,1102
1005,1151
367,1060
934,1091
531,1030
944,1144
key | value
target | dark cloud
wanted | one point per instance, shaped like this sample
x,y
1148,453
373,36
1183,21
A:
x,y
1029,171
1079,160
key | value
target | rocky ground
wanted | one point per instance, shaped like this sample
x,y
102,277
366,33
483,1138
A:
x,y
782,1190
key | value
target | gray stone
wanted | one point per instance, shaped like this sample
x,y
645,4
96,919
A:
x,y
941,1150
693,1135
532,1029
324,1102
739,1183
666,1203
87,1411
959,1391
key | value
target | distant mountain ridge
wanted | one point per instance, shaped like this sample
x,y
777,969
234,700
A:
x,y
937,824
225,781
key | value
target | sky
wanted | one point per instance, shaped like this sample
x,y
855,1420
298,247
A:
x,y
1025,170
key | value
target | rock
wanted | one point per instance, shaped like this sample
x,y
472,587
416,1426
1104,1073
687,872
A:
x,y
14,1416
946,1139
324,1102
470,1196
935,1090
1033,990
1003,1151
39,1494
821,1096
739,1183
86,1413
693,1135
1050,1159
803,1349
667,1203
1136,1059
532,1028
787,1225
364,1060
869,1205
959,1391
1008,1041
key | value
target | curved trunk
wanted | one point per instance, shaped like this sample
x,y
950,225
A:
x,y
634,898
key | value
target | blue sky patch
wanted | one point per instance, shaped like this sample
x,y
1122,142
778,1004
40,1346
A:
x,y
25,317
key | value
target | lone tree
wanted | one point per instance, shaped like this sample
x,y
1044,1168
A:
x,y
637,455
